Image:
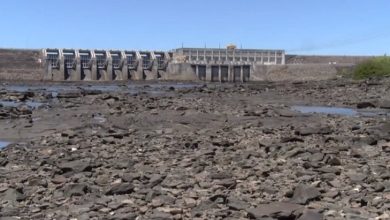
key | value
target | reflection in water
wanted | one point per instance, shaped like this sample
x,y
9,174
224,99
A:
x,y
340,111
129,88
16,104
3,144
325,110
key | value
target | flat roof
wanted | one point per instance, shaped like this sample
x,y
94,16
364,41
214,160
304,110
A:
x,y
225,49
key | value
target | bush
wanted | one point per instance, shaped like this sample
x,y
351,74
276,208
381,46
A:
x,y
375,67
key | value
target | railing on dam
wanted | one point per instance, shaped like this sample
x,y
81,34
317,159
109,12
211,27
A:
x,y
52,58
230,56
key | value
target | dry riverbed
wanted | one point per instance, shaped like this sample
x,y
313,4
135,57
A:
x,y
193,151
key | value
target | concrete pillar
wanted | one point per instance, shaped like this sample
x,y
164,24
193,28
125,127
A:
x,y
60,75
138,73
76,76
155,68
230,73
208,73
242,74
94,70
219,73
48,71
110,71
125,70
276,57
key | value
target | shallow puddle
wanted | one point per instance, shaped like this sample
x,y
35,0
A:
x,y
340,111
31,104
325,110
125,88
4,144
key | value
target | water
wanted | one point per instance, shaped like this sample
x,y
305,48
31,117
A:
x,y
125,88
4,144
100,119
325,110
340,111
30,104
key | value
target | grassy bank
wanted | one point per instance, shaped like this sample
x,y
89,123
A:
x,y
375,67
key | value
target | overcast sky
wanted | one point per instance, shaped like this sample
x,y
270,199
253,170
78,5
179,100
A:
x,y
341,27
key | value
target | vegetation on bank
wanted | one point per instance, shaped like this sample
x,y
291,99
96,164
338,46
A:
x,y
375,67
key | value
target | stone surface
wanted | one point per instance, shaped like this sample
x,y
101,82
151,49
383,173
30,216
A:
x,y
277,210
217,151
304,194
120,188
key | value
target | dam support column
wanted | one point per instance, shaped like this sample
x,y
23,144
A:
x,y
110,70
242,74
60,75
93,69
125,67
208,73
76,76
230,73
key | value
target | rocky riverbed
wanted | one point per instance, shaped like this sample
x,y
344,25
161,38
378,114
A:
x,y
215,151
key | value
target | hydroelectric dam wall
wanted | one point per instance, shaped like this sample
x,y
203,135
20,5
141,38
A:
x,y
186,64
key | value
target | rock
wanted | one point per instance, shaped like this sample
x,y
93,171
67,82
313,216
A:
x,y
278,210
189,202
120,188
9,218
68,95
157,215
219,175
384,216
304,194
305,131
228,183
311,215
356,177
334,161
287,113
155,180
291,139
37,181
173,211
316,157
59,179
13,195
75,189
76,166
385,104
365,105
203,207
122,216
237,204
181,108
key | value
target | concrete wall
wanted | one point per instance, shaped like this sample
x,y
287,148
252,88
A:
x,y
179,71
307,59
20,64
293,72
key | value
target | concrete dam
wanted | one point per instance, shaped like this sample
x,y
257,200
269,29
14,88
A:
x,y
192,64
